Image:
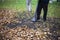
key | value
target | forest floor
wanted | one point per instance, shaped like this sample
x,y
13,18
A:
x,y
14,28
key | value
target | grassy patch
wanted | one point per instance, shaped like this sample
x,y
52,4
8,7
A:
x,y
53,9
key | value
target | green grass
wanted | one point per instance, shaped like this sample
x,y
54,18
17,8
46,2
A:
x,y
53,9
19,4
13,4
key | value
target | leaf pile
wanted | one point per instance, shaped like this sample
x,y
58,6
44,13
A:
x,y
7,16
22,33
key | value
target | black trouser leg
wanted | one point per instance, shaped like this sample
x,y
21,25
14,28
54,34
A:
x,y
38,10
45,8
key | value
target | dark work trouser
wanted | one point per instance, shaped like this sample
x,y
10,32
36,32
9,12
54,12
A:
x,y
39,8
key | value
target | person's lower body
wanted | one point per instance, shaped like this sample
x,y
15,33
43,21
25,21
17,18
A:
x,y
45,9
38,11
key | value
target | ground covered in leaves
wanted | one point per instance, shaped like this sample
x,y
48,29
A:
x,y
14,28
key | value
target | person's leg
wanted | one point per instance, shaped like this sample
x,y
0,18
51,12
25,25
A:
x,y
45,8
38,9
37,12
